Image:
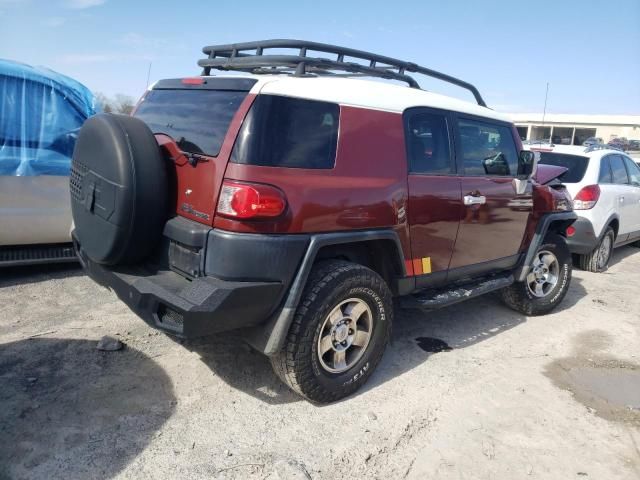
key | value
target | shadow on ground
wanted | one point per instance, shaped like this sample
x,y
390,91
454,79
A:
x,y
68,410
458,326
38,273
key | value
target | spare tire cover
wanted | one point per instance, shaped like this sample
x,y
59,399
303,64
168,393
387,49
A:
x,y
119,189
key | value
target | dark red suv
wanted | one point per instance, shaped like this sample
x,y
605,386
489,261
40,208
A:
x,y
296,202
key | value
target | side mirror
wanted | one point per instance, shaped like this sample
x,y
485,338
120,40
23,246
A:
x,y
527,164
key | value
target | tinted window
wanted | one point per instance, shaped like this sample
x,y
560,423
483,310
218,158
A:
x,y
634,171
605,171
487,149
428,144
197,120
617,169
288,132
576,164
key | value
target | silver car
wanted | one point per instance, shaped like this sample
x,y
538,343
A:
x,y
40,114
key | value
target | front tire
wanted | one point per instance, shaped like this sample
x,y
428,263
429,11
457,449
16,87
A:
x,y
547,282
598,260
339,332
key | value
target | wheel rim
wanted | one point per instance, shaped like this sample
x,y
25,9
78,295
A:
x,y
604,252
345,335
544,274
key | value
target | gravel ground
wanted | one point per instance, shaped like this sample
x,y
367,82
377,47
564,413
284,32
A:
x,y
471,391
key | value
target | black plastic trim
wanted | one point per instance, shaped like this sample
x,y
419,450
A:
x,y
270,338
563,219
186,232
584,240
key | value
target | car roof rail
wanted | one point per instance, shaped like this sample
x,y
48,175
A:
x,y
251,57
601,146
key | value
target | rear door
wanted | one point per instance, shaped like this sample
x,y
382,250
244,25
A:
x,y
624,196
202,116
494,217
634,196
435,202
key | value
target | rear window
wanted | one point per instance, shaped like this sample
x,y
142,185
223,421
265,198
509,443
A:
x,y
288,132
576,164
197,120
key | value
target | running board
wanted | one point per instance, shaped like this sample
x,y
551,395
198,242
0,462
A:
x,y
37,254
433,299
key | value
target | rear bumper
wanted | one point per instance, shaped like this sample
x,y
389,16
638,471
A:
x,y
187,308
584,240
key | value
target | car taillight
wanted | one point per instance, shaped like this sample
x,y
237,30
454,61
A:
x,y
586,198
250,200
571,231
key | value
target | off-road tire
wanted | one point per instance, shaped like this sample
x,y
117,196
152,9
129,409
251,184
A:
x,y
331,282
518,295
591,261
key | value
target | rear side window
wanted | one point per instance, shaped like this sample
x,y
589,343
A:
x,y
428,144
197,120
618,170
288,132
576,164
605,171
634,171
487,149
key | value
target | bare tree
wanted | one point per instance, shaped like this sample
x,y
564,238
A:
x,y
103,102
120,103
123,104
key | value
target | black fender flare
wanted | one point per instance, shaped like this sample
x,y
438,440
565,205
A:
x,y
556,221
270,337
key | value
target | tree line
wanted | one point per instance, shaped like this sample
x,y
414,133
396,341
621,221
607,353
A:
x,y
119,103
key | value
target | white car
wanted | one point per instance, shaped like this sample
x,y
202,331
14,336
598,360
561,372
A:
x,y
605,186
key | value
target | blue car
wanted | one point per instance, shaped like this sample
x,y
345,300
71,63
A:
x,y
41,112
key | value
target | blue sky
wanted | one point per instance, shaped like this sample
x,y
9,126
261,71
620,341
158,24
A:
x,y
589,51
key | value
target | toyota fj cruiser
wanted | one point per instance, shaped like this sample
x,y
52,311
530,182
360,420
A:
x,y
295,203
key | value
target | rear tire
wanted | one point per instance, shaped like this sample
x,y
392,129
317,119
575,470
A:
x,y
327,354
598,260
547,282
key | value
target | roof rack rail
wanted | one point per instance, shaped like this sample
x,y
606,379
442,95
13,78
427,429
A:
x,y
601,146
251,57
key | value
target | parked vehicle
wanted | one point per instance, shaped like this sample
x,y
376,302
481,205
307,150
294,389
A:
x,y
619,143
605,186
634,144
42,112
592,141
296,207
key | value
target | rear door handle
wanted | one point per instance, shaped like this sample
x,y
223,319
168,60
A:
x,y
475,199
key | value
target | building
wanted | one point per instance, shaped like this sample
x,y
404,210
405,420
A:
x,y
567,129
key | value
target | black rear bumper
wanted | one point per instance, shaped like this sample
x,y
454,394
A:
x,y
584,240
187,308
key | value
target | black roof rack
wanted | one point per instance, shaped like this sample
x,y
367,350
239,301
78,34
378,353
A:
x,y
251,57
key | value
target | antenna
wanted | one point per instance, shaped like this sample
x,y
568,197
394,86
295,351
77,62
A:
x,y
544,112
148,76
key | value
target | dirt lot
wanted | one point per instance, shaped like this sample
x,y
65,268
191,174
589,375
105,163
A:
x,y
500,396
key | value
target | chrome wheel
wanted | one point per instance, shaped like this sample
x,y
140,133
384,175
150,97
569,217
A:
x,y
345,335
544,274
604,252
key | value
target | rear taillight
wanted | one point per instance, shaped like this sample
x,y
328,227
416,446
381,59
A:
x,y
571,231
586,198
250,200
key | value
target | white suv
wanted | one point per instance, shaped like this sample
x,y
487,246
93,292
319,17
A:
x,y
605,186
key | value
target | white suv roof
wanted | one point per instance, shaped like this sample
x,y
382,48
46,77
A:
x,y
366,94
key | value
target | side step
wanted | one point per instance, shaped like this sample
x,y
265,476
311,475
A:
x,y
432,299
37,254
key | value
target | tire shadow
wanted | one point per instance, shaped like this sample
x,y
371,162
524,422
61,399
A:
x,y
68,410
459,326
229,357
